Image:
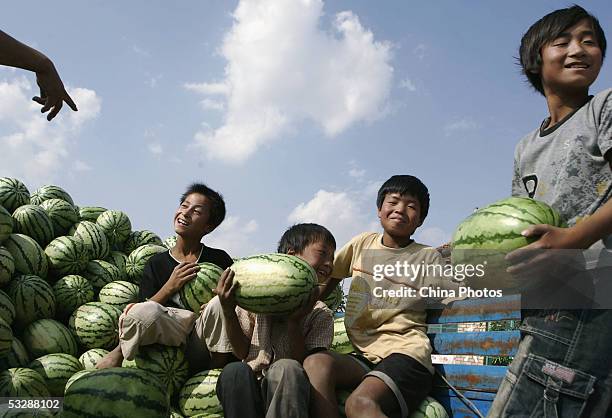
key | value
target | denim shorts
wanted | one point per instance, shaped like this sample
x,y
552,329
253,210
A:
x,y
562,367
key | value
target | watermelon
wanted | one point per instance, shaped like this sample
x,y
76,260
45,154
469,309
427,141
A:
x,y
140,238
63,215
273,283
77,376
7,265
22,382
50,192
430,408
6,338
56,369
17,356
100,273
90,213
90,358
71,292
488,234
137,259
95,325
167,364
119,294
199,291
334,299
170,242
47,336
116,225
132,393
67,255
199,396
119,260
7,308
32,220
28,256
6,224
7,412
13,193
33,299
341,342
94,239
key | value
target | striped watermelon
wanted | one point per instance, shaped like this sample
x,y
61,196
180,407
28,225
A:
x,y
273,283
139,238
7,308
33,299
47,336
199,396
28,256
119,260
116,225
90,213
32,220
7,265
6,338
67,255
90,358
7,412
95,324
71,292
119,294
93,238
17,357
132,393
50,192
13,193
100,273
22,382
137,259
170,242
6,224
487,235
334,299
77,376
63,215
56,369
199,291
430,408
167,364
341,342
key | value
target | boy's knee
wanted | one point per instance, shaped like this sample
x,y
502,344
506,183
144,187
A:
x,y
319,364
235,371
285,367
357,404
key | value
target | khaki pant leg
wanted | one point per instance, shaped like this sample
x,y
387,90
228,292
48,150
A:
x,y
150,323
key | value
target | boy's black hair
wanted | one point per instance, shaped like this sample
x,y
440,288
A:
x,y
299,236
405,184
547,29
217,205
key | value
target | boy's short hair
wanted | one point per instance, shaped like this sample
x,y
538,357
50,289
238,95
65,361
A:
x,y
299,236
405,184
548,29
217,205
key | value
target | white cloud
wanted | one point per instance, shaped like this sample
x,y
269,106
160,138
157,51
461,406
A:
x,y
140,51
210,104
81,166
32,148
406,83
433,236
283,68
156,148
356,173
461,125
235,236
152,80
420,51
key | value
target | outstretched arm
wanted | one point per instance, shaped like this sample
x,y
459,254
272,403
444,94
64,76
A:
x,y
52,92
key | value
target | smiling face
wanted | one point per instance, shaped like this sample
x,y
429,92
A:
x,y
320,256
191,217
400,216
571,62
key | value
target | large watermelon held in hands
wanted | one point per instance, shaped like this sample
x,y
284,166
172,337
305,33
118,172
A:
x,y
199,291
273,283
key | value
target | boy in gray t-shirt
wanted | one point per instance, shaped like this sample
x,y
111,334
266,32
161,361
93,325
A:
x,y
563,364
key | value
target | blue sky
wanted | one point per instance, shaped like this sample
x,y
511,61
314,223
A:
x,y
294,110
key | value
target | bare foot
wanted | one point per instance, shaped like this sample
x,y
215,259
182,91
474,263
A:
x,y
112,359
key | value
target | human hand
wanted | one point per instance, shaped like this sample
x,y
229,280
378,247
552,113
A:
x,y
226,290
181,274
52,91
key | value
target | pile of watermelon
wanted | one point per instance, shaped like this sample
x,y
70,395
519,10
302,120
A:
x,y
66,274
